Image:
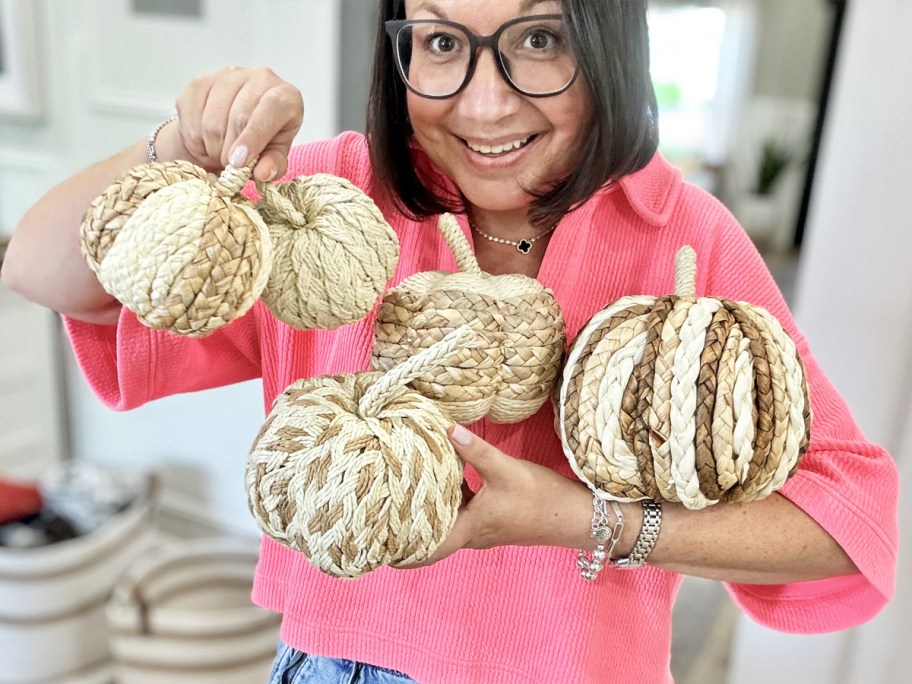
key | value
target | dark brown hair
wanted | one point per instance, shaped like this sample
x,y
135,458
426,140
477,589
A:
x,y
610,38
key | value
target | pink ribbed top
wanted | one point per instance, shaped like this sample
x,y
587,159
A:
x,y
518,614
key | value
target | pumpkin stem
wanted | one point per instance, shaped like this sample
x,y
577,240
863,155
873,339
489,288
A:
x,y
394,382
233,180
284,207
458,243
686,272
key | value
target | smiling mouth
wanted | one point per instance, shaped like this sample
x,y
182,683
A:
x,y
496,150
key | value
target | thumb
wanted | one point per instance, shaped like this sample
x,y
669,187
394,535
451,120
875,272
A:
x,y
474,450
273,162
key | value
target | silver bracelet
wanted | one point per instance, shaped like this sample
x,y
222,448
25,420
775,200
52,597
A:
x,y
605,534
150,141
649,534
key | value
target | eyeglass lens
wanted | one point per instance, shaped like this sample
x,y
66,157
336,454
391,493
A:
x,y
535,56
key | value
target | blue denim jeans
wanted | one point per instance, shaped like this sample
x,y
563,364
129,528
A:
x,y
294,667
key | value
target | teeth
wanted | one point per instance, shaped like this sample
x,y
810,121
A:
x,y
498,149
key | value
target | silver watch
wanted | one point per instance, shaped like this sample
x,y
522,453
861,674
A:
x,y
649,534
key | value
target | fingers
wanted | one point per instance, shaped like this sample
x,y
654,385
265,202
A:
x,y
219,104
238,115
476,452
270,130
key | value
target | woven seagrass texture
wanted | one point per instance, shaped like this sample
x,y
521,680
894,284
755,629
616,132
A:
x,y
188,253
356,471
686,399
506,380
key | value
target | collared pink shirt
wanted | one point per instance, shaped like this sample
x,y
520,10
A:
x,y
523,614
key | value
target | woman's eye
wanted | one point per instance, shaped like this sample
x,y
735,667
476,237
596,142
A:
x,y
540,39
442,42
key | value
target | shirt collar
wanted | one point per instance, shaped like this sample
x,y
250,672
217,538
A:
x,y
653,191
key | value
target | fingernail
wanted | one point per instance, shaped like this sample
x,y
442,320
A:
x,y
238,156
460,435
272,174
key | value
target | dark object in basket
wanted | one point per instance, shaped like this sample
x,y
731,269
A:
x,y
42,529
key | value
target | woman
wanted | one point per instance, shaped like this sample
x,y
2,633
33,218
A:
x,y
543,140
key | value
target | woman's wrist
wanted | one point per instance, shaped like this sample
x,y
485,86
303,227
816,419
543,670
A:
x,y
168,145
577,532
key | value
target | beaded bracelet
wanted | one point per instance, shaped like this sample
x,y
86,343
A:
x,y
604,533
150,141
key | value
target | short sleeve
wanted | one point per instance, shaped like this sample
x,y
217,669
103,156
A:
x,y
128,364
848,485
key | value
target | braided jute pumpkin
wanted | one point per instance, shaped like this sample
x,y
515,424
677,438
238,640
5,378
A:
x,y
679,398
186,252
356,471
506,380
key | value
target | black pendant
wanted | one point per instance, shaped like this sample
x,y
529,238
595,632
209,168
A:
x,y
524,246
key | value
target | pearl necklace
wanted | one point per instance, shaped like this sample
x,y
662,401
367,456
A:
x,y
524,245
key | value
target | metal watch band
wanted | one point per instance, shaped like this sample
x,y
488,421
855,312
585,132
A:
x,y
649,534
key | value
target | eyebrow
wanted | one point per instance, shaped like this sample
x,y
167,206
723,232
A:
x,y
432,8
525,6
529,4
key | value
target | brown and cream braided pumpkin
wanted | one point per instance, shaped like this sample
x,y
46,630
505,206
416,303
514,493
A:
x,y
680,398
508,379
187,253
356,471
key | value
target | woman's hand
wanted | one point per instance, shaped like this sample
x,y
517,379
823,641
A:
x,y
234,116
519,503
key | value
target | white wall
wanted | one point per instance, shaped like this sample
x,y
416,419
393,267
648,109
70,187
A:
x,y
108,76
854,302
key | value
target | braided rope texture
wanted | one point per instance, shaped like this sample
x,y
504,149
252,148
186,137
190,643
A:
x,y
186,252
356,471
513,374
684,399
334,251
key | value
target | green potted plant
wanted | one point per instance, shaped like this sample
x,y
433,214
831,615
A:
x,y
774,159
759,209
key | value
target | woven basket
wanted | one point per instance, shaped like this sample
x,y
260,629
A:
x,y
679,398
56,595
356,471
506,380
188,253
181,614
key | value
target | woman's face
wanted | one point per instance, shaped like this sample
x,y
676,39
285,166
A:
x,y
536,140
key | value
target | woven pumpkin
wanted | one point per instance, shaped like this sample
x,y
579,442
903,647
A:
x,y
356,471
686,399
186,252
506,380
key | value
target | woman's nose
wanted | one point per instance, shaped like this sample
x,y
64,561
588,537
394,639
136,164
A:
x,y
488,96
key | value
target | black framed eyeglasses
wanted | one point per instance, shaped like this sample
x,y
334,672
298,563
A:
x,y
437,58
